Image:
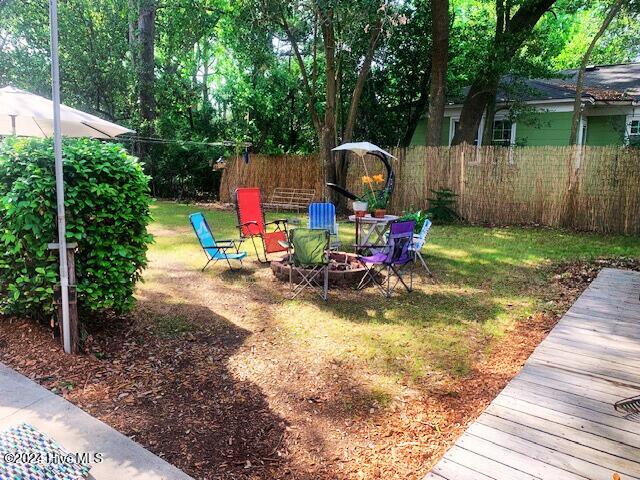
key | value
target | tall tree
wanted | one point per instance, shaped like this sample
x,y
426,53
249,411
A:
x,y
511,33
577,103
439,62
146,67
326,124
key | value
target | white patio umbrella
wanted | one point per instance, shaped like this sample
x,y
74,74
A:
x,y
25,114
362,148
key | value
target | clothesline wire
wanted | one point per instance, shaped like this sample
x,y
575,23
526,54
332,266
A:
x,y
166,141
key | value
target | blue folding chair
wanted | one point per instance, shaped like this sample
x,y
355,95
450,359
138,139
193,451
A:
x,y
418,242
322,216
215,250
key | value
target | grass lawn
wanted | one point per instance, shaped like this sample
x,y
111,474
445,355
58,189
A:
x,y
372,387
223,376
486,279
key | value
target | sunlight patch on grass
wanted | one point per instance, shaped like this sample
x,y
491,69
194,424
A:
x,y
487,280
393,349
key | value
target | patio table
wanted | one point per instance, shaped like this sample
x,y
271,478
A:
x,y
371,230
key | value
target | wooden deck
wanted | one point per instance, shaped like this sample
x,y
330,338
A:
x,y
555,419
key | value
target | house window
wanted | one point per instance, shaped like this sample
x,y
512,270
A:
x,y
454,130
502,130
634,132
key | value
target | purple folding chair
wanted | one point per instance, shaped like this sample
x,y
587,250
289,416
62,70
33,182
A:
x,y
395,257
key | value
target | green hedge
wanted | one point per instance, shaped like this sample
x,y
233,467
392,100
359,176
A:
x,y
107,209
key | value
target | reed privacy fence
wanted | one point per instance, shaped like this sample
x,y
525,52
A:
x,y
594,188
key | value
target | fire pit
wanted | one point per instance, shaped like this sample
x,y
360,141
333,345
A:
x,y
344,269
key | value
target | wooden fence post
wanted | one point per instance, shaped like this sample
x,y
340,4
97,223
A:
x,y
462,168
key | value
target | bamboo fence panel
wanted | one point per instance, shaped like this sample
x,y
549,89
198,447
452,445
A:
x,y
271,172
594,188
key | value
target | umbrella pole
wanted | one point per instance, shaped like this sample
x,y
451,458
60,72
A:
x,y
57,146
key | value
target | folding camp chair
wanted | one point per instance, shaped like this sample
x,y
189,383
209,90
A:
x,y
215,250
309,260
251,223
418,242
322,216
393,259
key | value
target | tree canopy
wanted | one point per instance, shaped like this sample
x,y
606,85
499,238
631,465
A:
x,y
292,75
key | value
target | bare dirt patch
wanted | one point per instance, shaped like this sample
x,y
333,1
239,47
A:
x,y
237,400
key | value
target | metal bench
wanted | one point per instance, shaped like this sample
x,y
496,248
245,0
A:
x,y
296,199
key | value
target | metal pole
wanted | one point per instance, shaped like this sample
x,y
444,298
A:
x,y
57,148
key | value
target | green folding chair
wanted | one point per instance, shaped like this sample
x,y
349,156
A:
x,y
309,260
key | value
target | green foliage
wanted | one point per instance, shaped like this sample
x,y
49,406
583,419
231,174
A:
x,y
442,207
376,199
184,171
225,71
107,208
418,216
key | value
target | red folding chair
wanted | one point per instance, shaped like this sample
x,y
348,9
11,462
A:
x,y
251,223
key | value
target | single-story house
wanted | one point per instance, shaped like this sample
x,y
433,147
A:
x,y
533,112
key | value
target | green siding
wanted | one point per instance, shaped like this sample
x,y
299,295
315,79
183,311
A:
x,y
544,128
444,135
420,135
547,128
605,130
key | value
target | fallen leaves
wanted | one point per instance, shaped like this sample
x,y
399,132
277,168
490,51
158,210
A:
x,y
177,396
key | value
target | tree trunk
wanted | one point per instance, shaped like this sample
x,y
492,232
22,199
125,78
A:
x,y
439,61
335,168
146,71
343,159
516,30
487,135
479,96
133,14
327,138
204,52
134,51
577,104
416,112
362,78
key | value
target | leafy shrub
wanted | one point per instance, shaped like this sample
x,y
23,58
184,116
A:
x,y
184,171
107,210
418,216
442,206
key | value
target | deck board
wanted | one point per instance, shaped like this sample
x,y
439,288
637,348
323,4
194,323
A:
x,y
556,419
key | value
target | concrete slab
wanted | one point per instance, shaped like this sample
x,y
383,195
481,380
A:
x,y
15,393
22,400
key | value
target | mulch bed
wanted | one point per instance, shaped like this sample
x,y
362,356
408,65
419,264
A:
x,y
176,395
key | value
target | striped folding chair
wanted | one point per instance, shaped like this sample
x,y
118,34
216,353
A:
x,y
322,216
418,242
